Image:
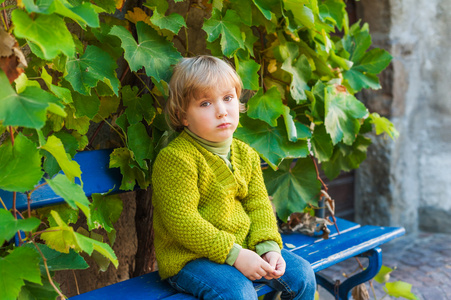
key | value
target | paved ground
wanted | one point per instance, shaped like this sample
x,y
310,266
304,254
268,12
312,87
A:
x,y
423,260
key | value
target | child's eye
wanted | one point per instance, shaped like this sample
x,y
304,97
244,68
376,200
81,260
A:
x,y
228,98
205,104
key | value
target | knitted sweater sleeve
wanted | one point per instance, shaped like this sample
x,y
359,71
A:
x,y
176,198
259,209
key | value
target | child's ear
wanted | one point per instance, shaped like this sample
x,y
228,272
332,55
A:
x,y
182,118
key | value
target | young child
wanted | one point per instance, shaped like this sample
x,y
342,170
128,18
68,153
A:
x,y
215,231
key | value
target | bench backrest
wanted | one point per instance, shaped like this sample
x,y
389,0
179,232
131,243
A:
x,y
96,175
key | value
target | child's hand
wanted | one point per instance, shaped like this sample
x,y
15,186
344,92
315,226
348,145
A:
x,y
277,262
252,265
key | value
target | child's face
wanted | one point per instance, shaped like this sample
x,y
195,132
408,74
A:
x,y
214,115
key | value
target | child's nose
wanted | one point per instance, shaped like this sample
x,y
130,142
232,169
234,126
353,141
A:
x,y
222,111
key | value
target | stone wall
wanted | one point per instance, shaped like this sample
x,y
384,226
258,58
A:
x,y
407,182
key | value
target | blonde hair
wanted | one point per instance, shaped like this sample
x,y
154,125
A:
x,y
193,76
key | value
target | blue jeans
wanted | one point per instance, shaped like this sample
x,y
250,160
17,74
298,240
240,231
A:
x,y
208,280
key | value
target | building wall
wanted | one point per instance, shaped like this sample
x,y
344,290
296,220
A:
x,y
408,181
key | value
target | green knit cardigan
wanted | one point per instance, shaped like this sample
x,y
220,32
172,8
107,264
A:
x,y
201,208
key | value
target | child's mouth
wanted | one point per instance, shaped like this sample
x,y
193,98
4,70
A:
x,y
224,125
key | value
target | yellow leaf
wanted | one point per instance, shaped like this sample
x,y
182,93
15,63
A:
x,y
120,4
272,67
137,15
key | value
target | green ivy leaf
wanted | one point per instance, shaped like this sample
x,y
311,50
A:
x,y
105,211
400,289
243,9
322,143
270,142
383,275
301,71
158,5
57,261
108,5
108,105
101,260
122,158
63,238
346,157
374,61
21,165
334,11
27,109
248,71
366,64
67,214
71,192
137,107
10,225
250,39
71,122
21,264
383,125
56,148
69,141
173,22
358,80
153,52
294,188
298,15
231,38
48,32
267,107
42,7
85,105
141,144
33,291
93,66
268,7
357,42
290,125
84,14
60,92
342,113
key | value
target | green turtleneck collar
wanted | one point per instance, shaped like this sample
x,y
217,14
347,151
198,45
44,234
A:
x,y
221,149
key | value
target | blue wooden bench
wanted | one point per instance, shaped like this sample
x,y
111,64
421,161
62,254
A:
x,y
353,240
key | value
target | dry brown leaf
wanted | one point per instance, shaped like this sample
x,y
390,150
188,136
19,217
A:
x,y
307,224
6,43
9,65
360,292
12,59
137,15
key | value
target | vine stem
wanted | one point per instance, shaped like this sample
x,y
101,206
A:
x,y
125,73
317,173
5,17
150,91
48,273
14,205
3,203
76,282
28,203
12,135
41,185
372,289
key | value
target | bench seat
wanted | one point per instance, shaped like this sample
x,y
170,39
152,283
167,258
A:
x,y
353,240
